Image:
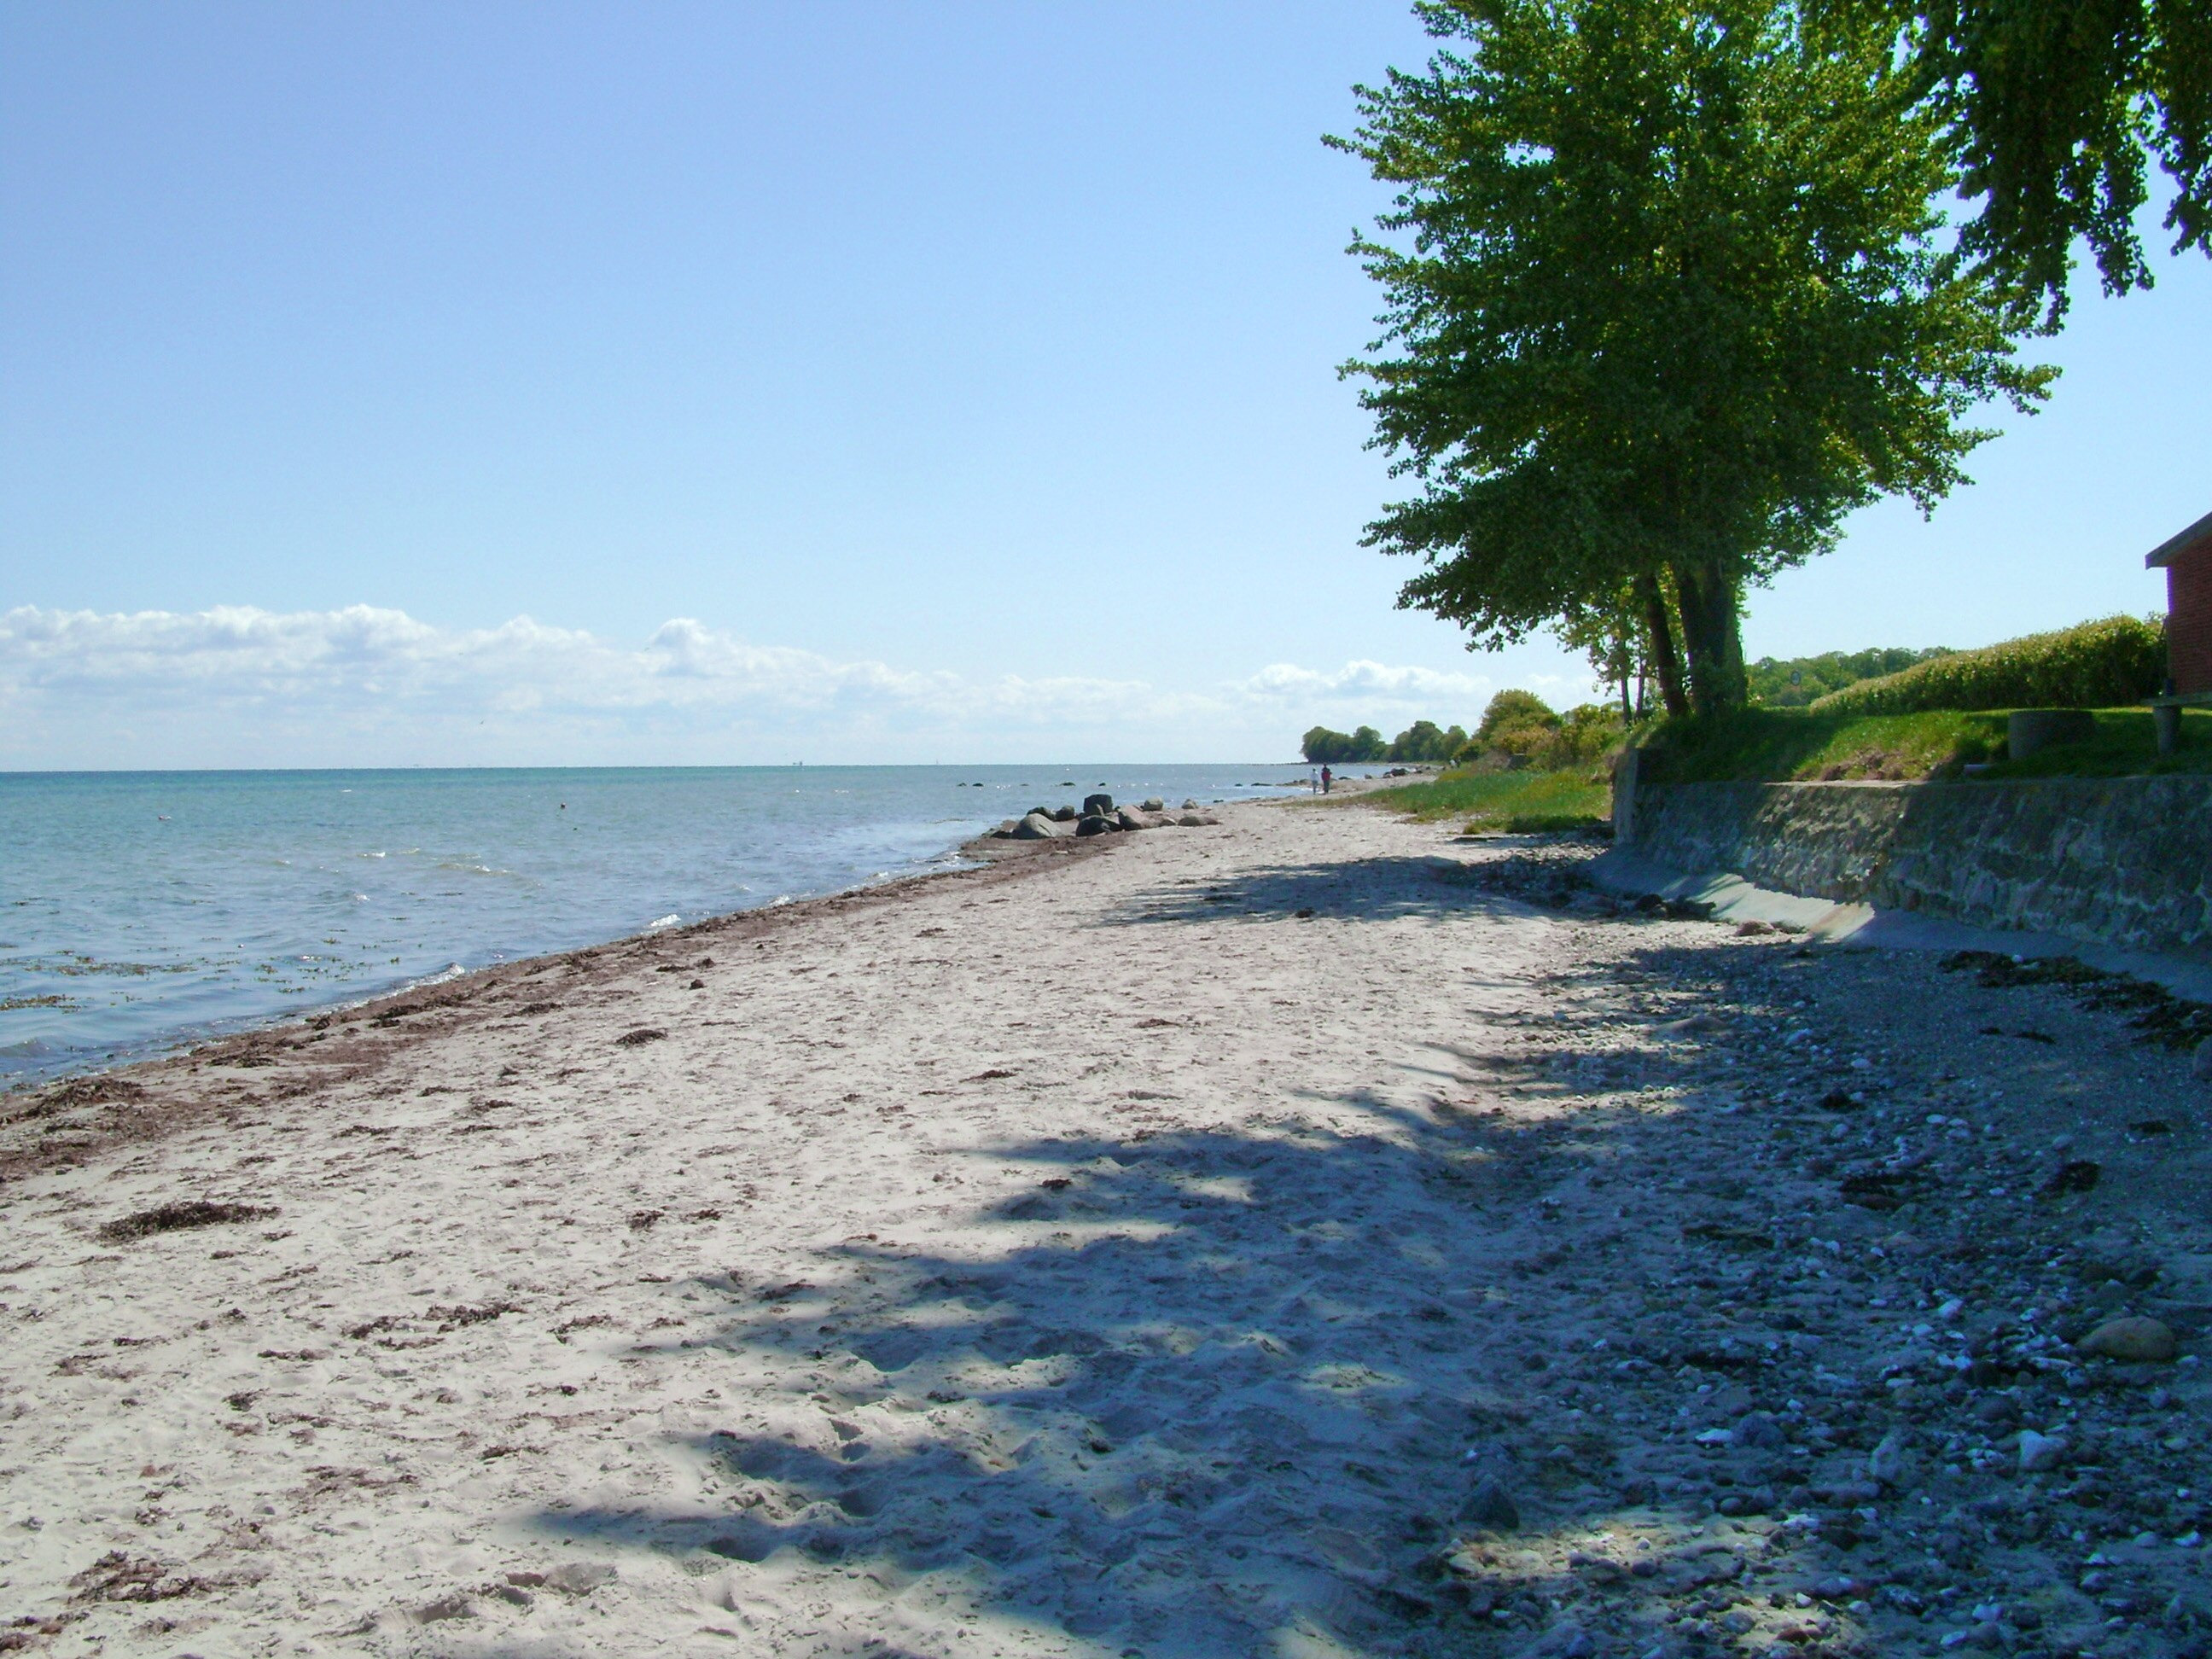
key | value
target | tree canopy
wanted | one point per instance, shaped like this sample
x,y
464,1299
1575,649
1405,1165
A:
x,y
1668,296
2056,110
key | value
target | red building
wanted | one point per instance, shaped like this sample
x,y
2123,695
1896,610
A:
x,y
2187,561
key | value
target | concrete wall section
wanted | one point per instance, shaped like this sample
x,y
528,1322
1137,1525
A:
x,y
2123,861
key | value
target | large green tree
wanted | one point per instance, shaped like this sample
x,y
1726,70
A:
x,y
2057,109
1668,295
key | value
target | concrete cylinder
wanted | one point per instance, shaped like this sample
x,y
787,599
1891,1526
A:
x,y
2165,720
2027,730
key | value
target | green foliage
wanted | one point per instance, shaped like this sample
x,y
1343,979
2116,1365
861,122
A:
x,y
1519,803
1422,742
1797,745
1513,707
1589,731
1324,747
1519,728
1425,741
1794,682
2098,663
1667,295
2055,108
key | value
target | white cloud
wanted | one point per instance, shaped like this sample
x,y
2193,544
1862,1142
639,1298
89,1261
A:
x,y
1368,683
366,686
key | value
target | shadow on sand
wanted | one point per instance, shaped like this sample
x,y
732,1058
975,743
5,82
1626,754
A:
x,y
1229,1392
1363,889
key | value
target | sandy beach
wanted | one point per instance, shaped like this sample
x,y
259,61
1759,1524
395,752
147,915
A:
x,y
1314,1235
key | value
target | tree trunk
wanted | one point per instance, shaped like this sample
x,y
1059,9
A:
x,y
1666,666
1711,637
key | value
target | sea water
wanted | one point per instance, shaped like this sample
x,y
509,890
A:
x,y
141,910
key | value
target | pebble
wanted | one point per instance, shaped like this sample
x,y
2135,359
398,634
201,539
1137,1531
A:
x,y
1888,1463
1758,1430
2040,1452
2133,1340
579,1577
1490,1505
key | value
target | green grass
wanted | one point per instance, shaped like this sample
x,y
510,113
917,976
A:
x,y
1514,803
1794,745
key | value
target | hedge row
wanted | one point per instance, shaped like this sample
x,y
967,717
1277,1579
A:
x,y
2098,664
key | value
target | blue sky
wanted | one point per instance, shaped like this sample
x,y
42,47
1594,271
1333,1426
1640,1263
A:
x,y
581,383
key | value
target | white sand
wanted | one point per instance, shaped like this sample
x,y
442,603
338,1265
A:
x,y
1116,1348
1053,1261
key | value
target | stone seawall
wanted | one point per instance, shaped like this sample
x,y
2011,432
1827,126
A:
x,y
2123,861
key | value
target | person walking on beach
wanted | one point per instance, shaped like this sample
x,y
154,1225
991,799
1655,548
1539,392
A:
x,y
1324,780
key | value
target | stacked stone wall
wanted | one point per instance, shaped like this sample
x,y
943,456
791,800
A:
x,y
2123,861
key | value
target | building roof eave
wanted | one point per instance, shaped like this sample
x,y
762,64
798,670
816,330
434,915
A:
x,y
2164,553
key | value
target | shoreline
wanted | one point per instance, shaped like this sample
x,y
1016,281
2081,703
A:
x,y
134,1089
979,851
261,960
1308,1235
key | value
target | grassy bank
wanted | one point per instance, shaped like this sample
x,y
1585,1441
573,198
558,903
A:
x,y
1806,744
1519,803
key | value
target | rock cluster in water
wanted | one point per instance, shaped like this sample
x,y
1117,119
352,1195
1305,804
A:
x,y
1099,817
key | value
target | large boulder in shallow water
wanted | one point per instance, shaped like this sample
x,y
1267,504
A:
x,y
1101,806
1037,827
1151,804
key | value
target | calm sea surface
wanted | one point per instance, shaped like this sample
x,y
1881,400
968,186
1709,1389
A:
x,y
139,910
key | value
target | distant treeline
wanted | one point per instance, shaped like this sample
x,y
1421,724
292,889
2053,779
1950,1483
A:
x,y
1424,740
1519,728
1794,682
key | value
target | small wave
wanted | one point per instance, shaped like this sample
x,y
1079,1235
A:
x,y
358,898
472,869
451,970
664,921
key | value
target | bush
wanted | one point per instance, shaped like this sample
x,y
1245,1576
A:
x,y
2098,664
1518,729
1513,709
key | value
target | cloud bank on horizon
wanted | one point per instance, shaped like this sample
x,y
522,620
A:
x,y
365,686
